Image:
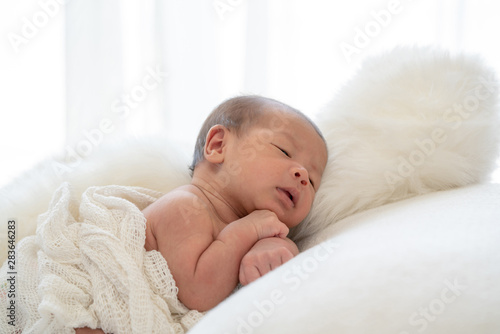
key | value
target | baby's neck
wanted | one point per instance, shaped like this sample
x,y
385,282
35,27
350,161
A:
x,y
221,207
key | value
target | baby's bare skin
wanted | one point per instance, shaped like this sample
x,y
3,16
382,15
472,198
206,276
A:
x,y
204,252
214,234
230,224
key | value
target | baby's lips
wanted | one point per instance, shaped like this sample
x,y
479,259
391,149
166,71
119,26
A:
x,y
294,192
286,197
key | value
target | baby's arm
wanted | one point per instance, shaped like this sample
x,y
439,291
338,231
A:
x,y
205,264
267,254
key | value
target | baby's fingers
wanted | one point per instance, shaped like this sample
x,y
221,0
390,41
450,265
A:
x,y
248,274
267,224
286,256
279,230
283,232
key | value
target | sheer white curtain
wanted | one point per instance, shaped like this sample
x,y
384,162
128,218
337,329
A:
x,y
147,67
160,66
32,87
211,50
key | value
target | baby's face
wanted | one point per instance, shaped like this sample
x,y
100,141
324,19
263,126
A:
x,y
282,159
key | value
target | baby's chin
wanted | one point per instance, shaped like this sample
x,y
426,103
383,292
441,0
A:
x,y
287,219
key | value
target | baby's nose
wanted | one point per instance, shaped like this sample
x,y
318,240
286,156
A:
x,y
300,173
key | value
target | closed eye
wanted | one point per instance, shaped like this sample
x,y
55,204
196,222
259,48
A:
x,y
312,183
282,150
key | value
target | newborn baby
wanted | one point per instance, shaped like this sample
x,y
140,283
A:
x,y
257,166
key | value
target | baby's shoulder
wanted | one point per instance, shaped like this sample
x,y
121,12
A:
x,y
181,203
187,195
176,216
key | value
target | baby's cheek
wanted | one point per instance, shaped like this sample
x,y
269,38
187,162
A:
x,y
310,199
302,212
309,202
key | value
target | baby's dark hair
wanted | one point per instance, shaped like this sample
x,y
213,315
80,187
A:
x,y
237,114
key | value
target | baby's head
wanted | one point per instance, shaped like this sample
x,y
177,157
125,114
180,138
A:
x,y
262,154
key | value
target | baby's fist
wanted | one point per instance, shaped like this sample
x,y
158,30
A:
x,y
267,224
266,255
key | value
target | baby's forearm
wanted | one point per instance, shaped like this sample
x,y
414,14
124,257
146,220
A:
x,y
217,269
213,274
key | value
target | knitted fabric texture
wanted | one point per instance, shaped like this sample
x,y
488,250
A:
x,y
87,266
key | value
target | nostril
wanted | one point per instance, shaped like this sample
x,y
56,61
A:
x,y
303,181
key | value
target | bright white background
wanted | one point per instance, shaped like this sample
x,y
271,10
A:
x,y
71,68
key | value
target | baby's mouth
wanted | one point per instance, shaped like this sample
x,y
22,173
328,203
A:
x,y
288,194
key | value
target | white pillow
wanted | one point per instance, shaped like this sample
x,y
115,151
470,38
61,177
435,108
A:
x,y
411,121
429,264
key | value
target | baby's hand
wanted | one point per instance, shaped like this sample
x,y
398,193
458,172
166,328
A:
x,y
266,255
266,224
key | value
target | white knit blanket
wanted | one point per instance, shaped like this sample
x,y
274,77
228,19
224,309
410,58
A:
x,y
87,266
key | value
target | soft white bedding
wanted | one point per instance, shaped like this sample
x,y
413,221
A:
x,y
411,122
429,264
87,267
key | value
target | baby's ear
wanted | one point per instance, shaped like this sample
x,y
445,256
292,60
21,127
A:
x,y
215,143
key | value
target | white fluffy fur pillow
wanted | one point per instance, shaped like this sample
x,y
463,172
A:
x,y
152,163
411,121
